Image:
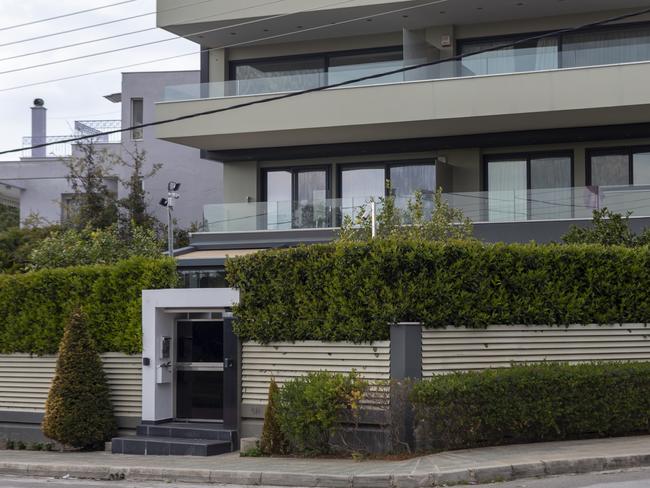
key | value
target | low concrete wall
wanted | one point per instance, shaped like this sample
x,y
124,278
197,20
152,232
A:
x,y
25,383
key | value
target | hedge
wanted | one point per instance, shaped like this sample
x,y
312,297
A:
x,y
34,307
351,292
544,402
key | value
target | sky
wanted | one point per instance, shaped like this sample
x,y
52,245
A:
x,y
80,98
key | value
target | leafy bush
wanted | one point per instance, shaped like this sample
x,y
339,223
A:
x,y
607,228
73,247
9,217
352,291
272,440
543,402
16,246
78,411
310,408
35,306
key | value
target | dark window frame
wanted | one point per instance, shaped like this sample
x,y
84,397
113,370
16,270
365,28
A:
x,y
528,156
628,151
385,165
137,134
325,56
506,38
294,170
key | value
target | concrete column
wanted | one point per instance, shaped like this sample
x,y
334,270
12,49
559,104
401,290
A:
x,y
405,364
39,128
417,50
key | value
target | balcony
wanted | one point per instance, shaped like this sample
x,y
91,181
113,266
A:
x,y
566,204
59,149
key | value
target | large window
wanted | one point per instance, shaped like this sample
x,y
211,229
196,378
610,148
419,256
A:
x,y
602,46
296,197
620,166
529,186
302,72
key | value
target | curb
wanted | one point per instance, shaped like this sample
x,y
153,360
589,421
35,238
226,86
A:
x,y
484,474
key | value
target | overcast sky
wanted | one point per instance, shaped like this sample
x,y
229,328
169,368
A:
x,y
80,98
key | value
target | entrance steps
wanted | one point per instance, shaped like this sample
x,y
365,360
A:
x,y
177,439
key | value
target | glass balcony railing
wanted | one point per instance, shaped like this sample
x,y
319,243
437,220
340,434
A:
x,y
468,67
576,203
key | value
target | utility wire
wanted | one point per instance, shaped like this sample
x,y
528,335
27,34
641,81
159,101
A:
x,y
159,41
123,19
237,44
65,15
343,83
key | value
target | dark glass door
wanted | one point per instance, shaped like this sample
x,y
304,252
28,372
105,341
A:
x,y
199,370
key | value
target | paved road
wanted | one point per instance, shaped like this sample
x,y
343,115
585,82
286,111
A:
x,y
628,479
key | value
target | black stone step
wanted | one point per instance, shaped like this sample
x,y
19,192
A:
x,y
188,431
169,446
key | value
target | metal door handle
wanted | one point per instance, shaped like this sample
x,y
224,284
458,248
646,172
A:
x,y
228,363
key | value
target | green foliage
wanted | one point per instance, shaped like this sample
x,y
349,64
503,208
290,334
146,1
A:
x,y
9,217
352,291
543,402
310,408
34,306
73,247
608,228
94,205
272,440
78,411
430,221
16,246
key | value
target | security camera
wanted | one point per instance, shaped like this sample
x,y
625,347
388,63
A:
x,y
173,186
39,102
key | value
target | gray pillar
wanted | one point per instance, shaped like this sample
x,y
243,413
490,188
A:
x,y
39,128
417,50
405,364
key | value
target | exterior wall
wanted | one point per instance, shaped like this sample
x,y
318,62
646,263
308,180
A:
x,y
285,361
202,180
462,349
25,383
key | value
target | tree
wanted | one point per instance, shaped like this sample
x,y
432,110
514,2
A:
x,y
418,221
607,228
134,206
78,411
17,245
9,217
273,440
93,204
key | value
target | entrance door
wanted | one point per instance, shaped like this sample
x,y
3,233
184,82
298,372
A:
x,y
199,370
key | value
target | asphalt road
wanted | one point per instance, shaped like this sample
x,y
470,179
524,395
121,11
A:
x,y
627,479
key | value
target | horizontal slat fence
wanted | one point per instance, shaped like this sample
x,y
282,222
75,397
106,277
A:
x,y
462,349
25,382
284,361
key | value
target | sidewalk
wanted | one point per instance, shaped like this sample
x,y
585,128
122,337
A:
x,y
469,466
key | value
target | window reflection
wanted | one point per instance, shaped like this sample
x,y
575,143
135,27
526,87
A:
x,y
203,278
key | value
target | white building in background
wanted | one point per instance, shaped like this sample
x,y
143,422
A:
x,y
38,179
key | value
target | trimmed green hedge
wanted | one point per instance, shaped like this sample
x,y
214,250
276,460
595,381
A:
x,y
34,307
544,402
351,292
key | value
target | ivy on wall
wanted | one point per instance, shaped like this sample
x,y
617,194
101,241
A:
x,y
34,306
352,291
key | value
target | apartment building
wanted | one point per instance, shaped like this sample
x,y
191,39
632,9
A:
x,y
37,182
525,139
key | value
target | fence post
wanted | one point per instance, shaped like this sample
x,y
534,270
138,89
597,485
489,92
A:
x,y
405,364
232,358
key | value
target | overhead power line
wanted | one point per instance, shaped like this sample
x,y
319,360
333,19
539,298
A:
x,y
236,44
123,19
343,83
186,36
39,21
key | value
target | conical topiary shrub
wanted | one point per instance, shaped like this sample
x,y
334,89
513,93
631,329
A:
x,y
78,412
273,440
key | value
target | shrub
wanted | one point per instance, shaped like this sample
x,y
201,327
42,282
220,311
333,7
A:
x,y
35,306
607,228
272,440
311,407
544,402
16,246
78,410
352,291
